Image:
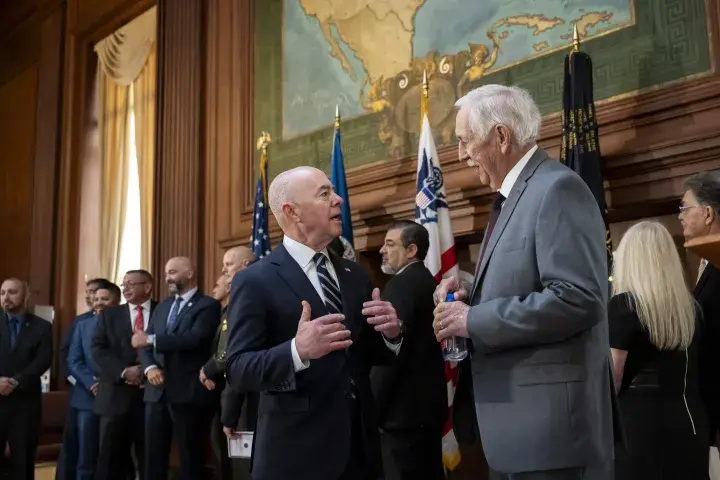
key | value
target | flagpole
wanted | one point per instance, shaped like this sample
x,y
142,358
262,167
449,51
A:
x,y
337,116
425,97
262,144
576,39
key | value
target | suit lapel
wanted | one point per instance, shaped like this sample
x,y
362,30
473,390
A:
x,y
185,309
297,281
160,315
507,210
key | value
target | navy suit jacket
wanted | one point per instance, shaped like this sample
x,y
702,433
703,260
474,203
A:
x,y
182,350
65,346
81,364
304,419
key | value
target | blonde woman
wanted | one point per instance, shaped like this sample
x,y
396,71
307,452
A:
x,y
654,334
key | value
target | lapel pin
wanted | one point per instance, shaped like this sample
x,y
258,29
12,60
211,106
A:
x,y
347,269
189,304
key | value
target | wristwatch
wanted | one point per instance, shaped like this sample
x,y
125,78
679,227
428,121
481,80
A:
x,y
399,338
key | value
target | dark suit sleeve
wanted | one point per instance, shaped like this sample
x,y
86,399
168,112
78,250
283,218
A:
x,y
111,367
147,357
213,369
251,364
77,363
43,356
201,332
65,348
371,343
231,402
572,265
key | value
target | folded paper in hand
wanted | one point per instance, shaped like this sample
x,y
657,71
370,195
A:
x,y
241,445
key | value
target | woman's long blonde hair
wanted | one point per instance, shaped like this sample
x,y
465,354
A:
x,y
647,265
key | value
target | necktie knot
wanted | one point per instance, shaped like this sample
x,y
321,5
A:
x,y
498,201
319,259
139,309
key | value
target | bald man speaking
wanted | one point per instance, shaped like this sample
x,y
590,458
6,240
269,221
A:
x,y
176,344
305,328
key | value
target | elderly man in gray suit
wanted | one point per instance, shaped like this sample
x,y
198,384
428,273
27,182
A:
x,y
536,313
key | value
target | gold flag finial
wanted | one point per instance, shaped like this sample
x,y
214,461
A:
x,y
337,116
263,141
576,39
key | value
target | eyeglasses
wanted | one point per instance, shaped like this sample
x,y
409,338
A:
x,y
682,208
131,284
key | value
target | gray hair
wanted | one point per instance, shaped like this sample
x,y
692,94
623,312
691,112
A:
x,y
492,105
706,188
277,193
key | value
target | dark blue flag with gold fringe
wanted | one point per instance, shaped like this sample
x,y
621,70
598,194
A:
x,y
580,149
260,239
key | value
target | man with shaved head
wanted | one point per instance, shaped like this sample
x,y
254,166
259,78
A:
x,y
299,335
235,259
25,354
176,344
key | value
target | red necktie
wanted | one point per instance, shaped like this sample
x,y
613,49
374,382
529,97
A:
x,y
139,319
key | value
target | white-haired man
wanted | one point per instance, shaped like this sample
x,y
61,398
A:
x,y
536,313
299,336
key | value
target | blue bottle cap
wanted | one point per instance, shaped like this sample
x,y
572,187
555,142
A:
x,y
450,297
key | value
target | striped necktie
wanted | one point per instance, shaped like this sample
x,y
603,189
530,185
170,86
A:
x,y
701,269
331,291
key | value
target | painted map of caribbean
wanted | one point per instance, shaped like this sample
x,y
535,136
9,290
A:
x,y
334,52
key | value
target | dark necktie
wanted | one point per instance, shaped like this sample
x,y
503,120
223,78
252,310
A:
x,y
331,291
174,312
494,214
13,323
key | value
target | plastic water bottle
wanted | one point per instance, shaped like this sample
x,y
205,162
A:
x,y
454,349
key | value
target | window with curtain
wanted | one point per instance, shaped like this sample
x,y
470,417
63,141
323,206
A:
x,y
132,232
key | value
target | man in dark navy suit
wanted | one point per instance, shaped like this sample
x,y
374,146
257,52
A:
x,y
84,369
25,354
67,460
119,401
176,344
298,334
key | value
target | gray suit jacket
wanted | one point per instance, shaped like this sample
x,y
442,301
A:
x,y
538,321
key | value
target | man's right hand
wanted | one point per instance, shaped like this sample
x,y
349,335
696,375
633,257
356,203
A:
x,y
155,376
6,386
94,388
133,375
316,338
450,285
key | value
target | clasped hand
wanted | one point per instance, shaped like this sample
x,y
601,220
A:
x,y
450,317
7,386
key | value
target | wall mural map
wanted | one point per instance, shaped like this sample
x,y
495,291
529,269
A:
x,y
368,55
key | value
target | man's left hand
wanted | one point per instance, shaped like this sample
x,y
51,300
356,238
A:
x,y
139,339
382,315
7,385
451,320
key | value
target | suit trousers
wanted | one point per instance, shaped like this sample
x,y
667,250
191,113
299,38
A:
x,y
412,453
67,461
119,435
188,424
226,468
595,472
20,428
88,432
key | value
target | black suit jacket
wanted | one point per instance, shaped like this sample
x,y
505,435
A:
x,y
304,418
412,392
113,353
707,294
181,351
26,362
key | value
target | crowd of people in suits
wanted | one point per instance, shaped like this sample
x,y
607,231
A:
x,y
566,378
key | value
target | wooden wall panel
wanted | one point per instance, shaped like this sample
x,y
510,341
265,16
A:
x,y
18,99
179,168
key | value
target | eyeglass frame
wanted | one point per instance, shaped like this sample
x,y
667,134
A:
x,y
132,284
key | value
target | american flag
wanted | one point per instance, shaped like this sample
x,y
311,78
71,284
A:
x,y
260,238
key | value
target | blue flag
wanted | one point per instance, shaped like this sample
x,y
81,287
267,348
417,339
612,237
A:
x,y
337,177
260,239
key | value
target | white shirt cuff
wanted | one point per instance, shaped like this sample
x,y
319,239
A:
x,y
297,362
71,379
150,368
394,347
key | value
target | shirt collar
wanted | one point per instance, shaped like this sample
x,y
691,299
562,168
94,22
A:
x,y
145,306
514,173
187,295
406,266
300,252
20,316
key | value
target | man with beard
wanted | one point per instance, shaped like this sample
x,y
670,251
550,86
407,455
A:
x,y
86,372
411,394
120,396
176,344
212,376
25,354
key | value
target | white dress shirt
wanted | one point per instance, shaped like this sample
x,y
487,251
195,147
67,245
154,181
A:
x,y
303,255
514,173
145,311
